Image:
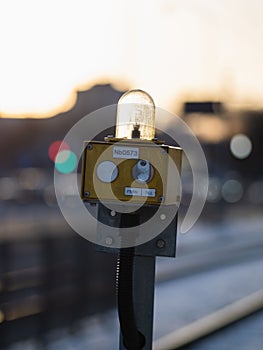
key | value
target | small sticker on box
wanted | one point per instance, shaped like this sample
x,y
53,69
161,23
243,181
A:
x,y
125,152
148,192
133,191
141,192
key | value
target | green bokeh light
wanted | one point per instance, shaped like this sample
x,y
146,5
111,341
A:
x,y
66,162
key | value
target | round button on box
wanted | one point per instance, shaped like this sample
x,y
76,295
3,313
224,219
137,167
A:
x,y
107,171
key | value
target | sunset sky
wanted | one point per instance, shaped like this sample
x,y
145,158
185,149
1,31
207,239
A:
x,y
173,49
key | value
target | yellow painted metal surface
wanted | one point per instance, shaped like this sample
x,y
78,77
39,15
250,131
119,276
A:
x,y
163,186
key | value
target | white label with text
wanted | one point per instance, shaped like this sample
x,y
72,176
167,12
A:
x,y
125,152
148,192
141,192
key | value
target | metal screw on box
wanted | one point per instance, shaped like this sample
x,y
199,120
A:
x,y
160,243
109,240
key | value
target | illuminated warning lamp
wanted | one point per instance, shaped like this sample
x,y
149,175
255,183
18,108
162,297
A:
x,y
135,116
132,167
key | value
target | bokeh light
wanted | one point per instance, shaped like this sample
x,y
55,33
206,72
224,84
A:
x,y
31,178
255,192
8,188
65,161
55,147
214,190
232,191
241,146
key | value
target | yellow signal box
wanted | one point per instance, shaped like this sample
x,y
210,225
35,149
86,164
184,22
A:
x,y
131,171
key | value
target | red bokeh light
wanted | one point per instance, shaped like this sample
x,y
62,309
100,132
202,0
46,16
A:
x,y
55,147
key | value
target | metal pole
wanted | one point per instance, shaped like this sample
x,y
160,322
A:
x,y
143,297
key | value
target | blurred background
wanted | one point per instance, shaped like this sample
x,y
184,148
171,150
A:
x,y
61,60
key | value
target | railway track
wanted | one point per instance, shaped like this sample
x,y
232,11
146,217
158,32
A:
x,y
214,322
212,259
198,258
243,264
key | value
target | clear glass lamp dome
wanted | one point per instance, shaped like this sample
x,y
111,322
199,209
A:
x,y
135,116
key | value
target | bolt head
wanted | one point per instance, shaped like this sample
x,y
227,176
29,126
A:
x,y
108,240
160,243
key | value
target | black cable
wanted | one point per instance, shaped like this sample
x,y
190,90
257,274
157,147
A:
x,y
132,338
